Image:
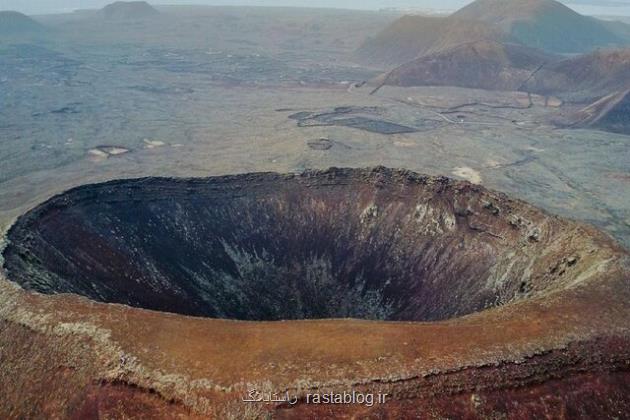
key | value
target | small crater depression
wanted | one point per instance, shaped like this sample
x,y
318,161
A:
x,y
343,243
320,144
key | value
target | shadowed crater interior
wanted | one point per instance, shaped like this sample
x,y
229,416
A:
x,y
362,243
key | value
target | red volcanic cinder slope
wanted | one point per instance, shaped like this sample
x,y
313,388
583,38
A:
x,y
412,36
482,65
590,75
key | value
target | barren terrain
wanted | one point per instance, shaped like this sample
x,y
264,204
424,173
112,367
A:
x,y
215,97
214,91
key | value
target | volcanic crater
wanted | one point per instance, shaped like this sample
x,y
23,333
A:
x,y
532,308
344,243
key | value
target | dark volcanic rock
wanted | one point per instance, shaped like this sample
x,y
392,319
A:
x,y
344,243
362,118
129,10
320,144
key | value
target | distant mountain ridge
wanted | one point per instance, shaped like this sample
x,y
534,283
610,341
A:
x,y
128,10
15,23
544,24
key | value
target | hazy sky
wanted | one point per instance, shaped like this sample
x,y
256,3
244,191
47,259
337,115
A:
x,y
59,6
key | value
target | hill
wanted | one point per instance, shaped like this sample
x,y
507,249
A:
x,y
15,23
481,65
545,24
611,113
412,36
128,10
584,77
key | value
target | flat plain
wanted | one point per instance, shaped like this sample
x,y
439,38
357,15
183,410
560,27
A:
x,y
201,91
